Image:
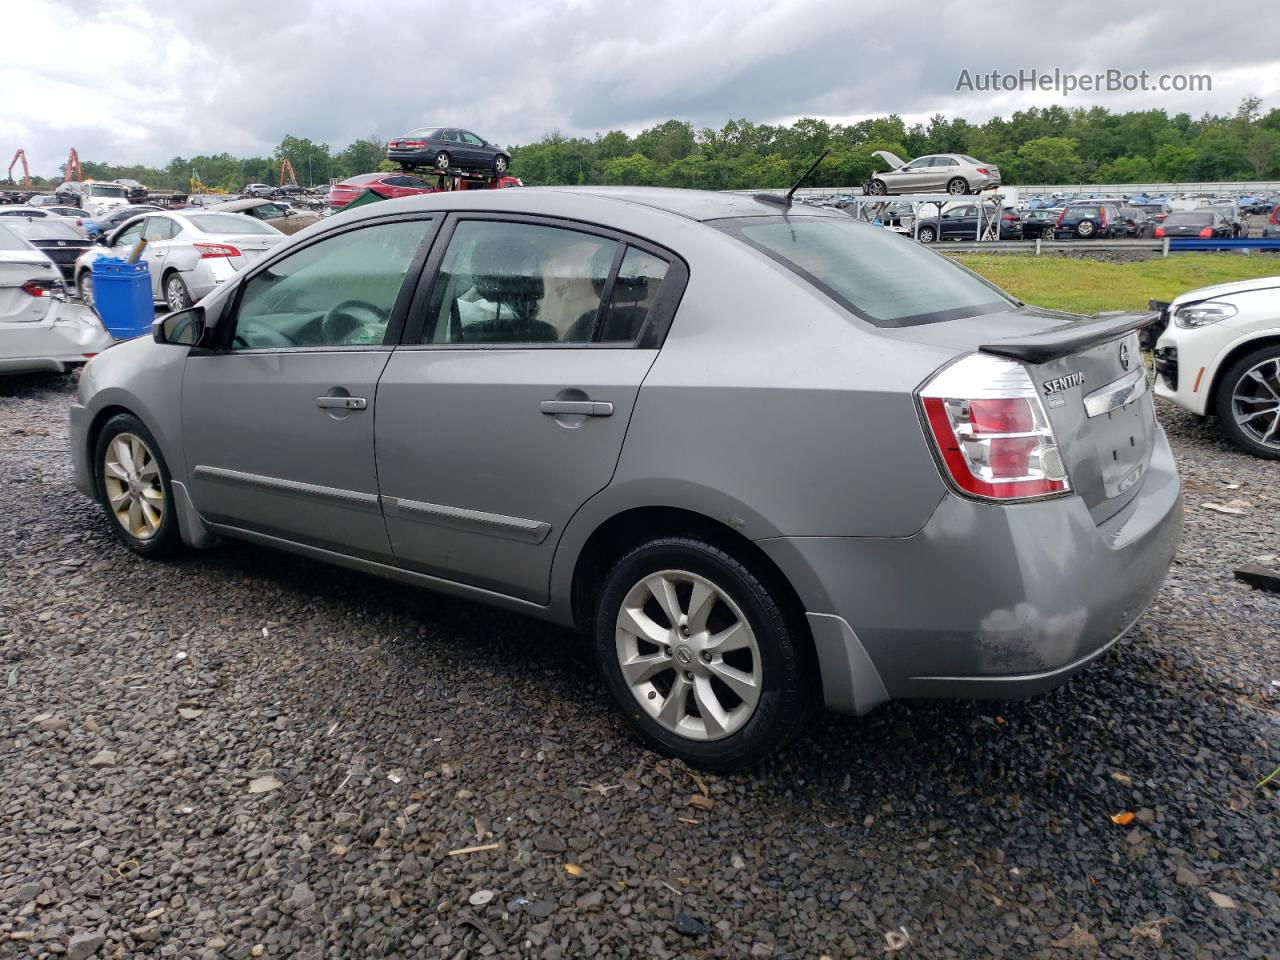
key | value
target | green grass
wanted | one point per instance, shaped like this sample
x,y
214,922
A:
x,y
1091,286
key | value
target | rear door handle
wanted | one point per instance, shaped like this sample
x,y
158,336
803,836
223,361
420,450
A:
x,y
342,403
587,408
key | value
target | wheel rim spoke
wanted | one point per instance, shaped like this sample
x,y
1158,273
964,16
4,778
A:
x,y
642,668
714,716
729,639
634,620
1257,413
664,591
702,600
676,706
740,683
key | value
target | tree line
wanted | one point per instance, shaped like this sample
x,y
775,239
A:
x,y
1039,145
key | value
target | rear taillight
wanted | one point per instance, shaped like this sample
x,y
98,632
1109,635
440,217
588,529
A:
x,y
984,171
1058,222
1159,232
413,144
1010,216
212,251
1275,212
991,432
51,289
1102,216
1207,232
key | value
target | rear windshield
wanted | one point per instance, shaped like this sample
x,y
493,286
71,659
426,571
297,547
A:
x,y
883,278
1078,212
427,133
11,241
106,190
1189,218
45,229
228,223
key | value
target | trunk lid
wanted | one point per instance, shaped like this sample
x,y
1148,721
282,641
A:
x,y
250,245
1090,377
16,304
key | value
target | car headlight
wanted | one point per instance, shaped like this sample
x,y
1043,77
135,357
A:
x,y
1203,314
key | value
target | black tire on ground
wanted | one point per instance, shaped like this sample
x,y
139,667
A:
x,y
790,687
1222,401
926,235
166,540
176,294
957,185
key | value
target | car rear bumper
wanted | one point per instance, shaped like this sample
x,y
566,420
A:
x,y
62,339
985,600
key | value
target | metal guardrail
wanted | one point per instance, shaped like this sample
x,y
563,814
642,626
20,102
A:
x,y
1217,243
1165,246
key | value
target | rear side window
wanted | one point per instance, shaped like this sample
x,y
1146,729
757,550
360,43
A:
x,y
635,289
514,283
879,276
228,224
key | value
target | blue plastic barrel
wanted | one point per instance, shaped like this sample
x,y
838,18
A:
x,y
122,297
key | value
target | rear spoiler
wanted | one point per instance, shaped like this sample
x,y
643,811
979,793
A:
x,y
1055,344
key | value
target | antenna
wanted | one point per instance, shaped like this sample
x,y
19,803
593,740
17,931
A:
x,y
785,201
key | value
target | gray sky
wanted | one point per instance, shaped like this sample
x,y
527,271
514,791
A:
x,y
143,80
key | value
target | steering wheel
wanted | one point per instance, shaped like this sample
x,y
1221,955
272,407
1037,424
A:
x,y
353,321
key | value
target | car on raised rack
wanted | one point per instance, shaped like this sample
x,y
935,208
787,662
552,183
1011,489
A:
x,y
448,148
98,198
388,186
39,329
954,173
189,253
280,215
569,402
1218,352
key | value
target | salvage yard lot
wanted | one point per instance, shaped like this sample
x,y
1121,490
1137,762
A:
x,y
246,754
1085,285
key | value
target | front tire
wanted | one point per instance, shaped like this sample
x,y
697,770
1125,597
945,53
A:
x,y
706,661
926,235
135,488
876,188
84,286
957,186
1248,402
500,164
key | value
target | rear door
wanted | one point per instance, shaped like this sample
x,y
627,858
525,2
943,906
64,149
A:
x,y
159,232
278,415
506,408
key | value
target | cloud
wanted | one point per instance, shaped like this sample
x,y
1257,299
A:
x,y
140,81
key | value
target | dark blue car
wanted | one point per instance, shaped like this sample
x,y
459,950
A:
x,y
1089,221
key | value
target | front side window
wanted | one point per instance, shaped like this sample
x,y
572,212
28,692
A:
x,y
339,291
878,276
518,283
130,235
159,228
472,139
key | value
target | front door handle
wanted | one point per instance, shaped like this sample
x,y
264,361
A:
x,y
342,403
586,408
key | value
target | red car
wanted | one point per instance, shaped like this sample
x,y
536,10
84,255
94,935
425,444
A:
x,y
386,185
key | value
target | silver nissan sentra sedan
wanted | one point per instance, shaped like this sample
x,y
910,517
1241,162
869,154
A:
x,y
769,458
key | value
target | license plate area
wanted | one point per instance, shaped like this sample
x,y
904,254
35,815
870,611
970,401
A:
x,y
1123,438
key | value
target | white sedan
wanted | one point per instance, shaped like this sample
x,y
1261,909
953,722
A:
x,y
1220,354
39,329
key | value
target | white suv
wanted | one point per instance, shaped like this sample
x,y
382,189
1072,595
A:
x,y
1220,353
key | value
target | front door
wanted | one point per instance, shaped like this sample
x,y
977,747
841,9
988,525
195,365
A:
x,y
507,411
278,420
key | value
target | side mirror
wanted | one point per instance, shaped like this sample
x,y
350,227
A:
x,y
101,239
181,329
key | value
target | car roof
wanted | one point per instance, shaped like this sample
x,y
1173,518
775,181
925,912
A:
x,y
233,206
585,202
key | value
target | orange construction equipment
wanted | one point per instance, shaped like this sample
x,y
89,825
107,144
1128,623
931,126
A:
x,y
26,171
73,165
287,167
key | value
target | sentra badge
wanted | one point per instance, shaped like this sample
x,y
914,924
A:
x,y
1058,384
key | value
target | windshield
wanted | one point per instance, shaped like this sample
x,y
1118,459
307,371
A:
x,y
877,275
106,190
228,223
45,229
1188,219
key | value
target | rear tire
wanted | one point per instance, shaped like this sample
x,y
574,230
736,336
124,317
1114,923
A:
x,y
442,160
176,294
1238,381
728,623
135,489
84,286
957,186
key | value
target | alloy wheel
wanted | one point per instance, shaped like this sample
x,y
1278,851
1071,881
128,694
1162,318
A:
x,y
957,187
86,290
688,655
500,165
1255,402
131,480
442,161
175,293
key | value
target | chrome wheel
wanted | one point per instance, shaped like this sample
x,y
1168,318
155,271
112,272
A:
x,y
1255,403
85,286
688,655
876,188
925,234
175,293
131,481
957,187
442,161
500,165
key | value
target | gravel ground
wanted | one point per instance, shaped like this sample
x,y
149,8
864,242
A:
x,y
243,754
